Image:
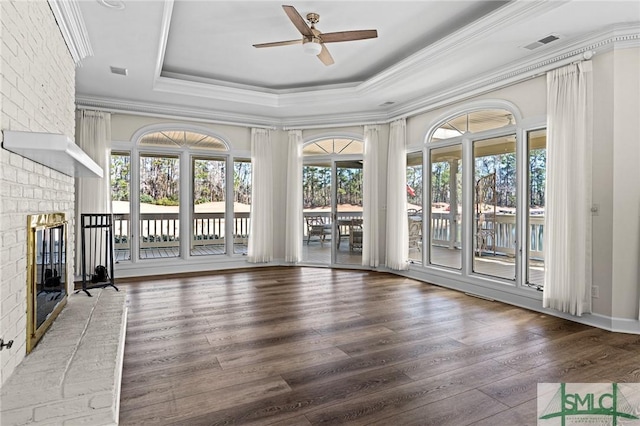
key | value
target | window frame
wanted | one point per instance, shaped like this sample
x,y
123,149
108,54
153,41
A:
x,y
185,155
465,277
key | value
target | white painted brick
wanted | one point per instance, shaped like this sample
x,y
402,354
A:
x,y
5,190
19,416
9,205
15,160
98,418
67,407
9,173
37,94
27,165
103,400
22,177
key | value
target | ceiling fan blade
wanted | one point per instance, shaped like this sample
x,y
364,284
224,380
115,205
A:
x,y
348,36
298,21
325,56
278,43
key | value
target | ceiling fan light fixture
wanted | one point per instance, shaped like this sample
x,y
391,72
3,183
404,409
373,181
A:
x,y
312,47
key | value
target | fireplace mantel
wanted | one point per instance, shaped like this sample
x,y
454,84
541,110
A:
x,y
56,151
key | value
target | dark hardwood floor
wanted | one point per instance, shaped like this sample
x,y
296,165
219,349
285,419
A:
x,y
300,346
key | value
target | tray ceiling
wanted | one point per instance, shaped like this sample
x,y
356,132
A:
x,y
195,58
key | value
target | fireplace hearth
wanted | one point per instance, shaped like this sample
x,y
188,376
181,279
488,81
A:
x,y
47,281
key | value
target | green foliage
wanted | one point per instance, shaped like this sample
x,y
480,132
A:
x,y
147,199
119,173
317,191
167,202
159,178
242,182
209,176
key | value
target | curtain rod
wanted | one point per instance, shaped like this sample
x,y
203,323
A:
x,y
580,57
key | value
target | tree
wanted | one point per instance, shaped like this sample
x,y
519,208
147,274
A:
x,y
242,182
120,177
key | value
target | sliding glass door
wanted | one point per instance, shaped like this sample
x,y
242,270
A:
x,y
348,212
332,202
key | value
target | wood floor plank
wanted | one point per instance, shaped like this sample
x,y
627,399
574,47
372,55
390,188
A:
x,y
301,346
522,387
462,409
395,401
174,408
280,407
521,415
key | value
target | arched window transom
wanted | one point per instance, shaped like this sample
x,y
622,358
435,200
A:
x,y
183,139
334,146
472,122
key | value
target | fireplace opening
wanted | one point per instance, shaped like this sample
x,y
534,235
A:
x,y
47,277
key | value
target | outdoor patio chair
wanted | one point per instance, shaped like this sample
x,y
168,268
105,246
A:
x,y
415,233
355,235
316,226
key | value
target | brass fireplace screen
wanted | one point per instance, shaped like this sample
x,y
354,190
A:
x,y
47,273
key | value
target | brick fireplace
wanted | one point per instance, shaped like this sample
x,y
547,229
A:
x,y
47,275
38,94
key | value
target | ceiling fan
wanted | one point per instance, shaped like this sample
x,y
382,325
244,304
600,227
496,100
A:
x,y
313,40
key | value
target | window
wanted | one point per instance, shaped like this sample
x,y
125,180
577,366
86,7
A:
x,y
494,203
241,204
209,195
473,122
180,202
537,155
446,206
334,146
159,206
486,194
414,205
120,170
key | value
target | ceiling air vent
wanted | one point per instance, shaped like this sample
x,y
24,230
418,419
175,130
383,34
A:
x,y
545,40
118,70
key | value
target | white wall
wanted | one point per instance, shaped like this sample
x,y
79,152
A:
x,y
37,94
626,184
602,179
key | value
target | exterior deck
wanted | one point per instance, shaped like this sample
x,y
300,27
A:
x,y
161,239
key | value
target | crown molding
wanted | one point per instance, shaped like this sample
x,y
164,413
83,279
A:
x,y
511,13
221,117
173,112
620,36
74,32
623,36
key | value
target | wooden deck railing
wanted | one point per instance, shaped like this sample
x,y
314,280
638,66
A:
x,y
163,229
505,240
342,216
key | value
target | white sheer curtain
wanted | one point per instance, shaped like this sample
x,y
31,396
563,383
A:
x,y
93,136
567,226
293,235
260,247
370,236
397,252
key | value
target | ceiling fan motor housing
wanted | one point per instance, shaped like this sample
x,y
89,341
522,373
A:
x,y
313,18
